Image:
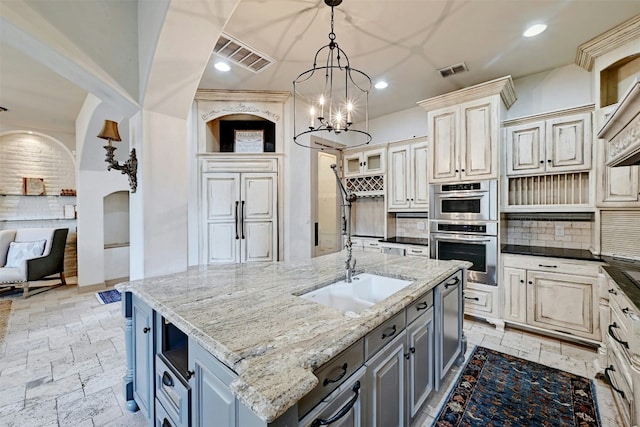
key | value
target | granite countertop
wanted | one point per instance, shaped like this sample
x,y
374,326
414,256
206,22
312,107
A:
x,y
407,241
615,268
249,317
577,254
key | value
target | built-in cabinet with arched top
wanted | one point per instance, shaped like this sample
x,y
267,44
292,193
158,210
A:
x,y
240,145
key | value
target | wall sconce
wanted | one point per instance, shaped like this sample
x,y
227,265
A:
x,y
130,167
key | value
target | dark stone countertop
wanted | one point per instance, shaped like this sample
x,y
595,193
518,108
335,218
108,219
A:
x,y
407,241
578,254
615,268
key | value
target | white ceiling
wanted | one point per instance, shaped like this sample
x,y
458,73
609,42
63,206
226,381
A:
x,y
401,41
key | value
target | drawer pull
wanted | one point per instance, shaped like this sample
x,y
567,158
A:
x,y
472,298
166,423
454,282
389,332
343,411
146,330
413,251
336,379
606,375
612,335
613,291
422,306
625,310
547,266
167,380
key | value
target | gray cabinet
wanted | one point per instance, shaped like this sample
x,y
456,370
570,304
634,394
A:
x,y
212,401
385,394
420,356
449,340
142,327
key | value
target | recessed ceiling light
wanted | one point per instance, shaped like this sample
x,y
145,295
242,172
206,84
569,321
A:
x,y
534,30
222,66
381,85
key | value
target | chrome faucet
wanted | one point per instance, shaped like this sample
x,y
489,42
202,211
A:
x,y
347,199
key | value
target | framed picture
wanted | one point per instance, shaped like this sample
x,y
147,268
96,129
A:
x,y
33,186
249,141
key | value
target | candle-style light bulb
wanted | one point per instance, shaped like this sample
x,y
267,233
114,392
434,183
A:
x,y
321,101
312,115
349,108
338,121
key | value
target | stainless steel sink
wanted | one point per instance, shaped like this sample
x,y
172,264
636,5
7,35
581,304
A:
x,y
364,291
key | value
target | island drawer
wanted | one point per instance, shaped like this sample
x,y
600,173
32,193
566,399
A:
x,y
331,375
418,251
383,334
173,392
419,306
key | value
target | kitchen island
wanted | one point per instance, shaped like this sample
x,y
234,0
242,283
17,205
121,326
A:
x,y
251,320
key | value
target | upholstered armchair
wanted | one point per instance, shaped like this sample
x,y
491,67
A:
x,y
29,256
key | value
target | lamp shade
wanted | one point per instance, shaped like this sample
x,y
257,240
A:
x,y
110,131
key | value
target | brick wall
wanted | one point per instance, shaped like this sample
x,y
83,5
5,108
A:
x,y
36,156
554,234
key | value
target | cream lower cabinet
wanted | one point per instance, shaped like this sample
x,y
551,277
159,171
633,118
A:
x,y
545,293
407,188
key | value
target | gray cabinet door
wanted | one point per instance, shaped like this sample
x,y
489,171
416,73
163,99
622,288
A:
x,y
142,318
386,385
211,400
449,324
420,352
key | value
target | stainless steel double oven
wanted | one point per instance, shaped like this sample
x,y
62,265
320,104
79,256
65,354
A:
x,y
463,225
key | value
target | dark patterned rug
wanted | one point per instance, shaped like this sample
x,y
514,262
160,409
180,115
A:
x,y
107,297
495,389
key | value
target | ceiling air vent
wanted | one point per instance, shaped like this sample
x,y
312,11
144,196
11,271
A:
x,y
241,54
453,69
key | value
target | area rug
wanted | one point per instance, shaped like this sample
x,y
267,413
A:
x,y
107,297
495,389
5,312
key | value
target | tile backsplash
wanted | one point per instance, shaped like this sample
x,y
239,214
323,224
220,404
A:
x,y
555,234
412,227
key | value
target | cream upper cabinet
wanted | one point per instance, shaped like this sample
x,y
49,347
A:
x,y
464,141
559,144
365,162
407,188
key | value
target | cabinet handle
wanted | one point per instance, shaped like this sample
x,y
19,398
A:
x,y
473,298
462,170
457,171
549,161
454,282
541,162
389,332
242,219
167,380
409,353
521,281
414,251
190,374
146,330
422,306
612,335
343,411
237,203
166,423
606,375
530,282
336,379
547,266
625,310
613,291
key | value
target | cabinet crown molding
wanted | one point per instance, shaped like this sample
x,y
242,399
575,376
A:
x,y
242,95
589,108
606,42
503,86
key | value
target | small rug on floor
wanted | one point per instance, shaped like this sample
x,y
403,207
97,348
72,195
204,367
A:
x,y
496,389
5,311
107,297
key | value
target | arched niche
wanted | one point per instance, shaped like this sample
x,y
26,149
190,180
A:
x,y
240,132
617,78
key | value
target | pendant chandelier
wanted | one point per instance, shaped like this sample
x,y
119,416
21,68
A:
x,y
336,95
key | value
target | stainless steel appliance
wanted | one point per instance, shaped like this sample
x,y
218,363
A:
x,y
468,201
474,241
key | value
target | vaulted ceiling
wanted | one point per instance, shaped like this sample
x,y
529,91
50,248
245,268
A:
x,y
401,41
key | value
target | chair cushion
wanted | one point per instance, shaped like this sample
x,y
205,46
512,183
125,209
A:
x,y
19,252
12,275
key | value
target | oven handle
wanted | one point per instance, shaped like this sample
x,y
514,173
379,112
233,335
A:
x,y
466,237
441,196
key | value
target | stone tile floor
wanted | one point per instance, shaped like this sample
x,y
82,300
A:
x,y
63,359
